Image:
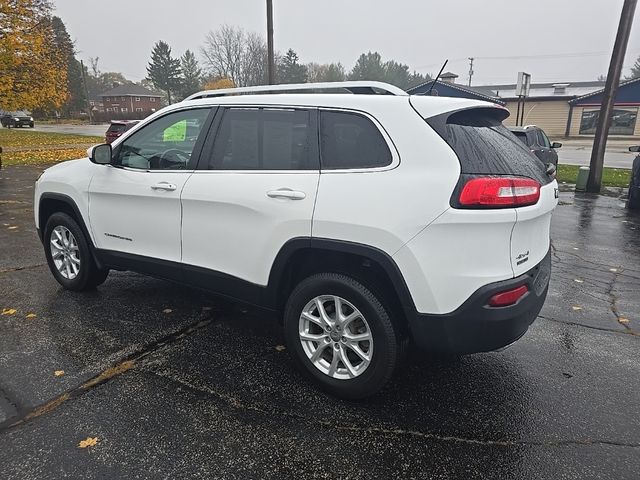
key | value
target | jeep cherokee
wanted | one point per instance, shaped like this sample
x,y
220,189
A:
x,y
366,220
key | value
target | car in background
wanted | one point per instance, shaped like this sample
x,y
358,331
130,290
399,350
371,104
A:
x,y
117,128
16,119
538,142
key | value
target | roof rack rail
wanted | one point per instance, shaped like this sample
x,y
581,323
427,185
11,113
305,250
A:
x,y
355,87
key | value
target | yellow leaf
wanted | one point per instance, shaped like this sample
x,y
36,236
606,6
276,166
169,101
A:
x,y
167,310
88,442
13,227
623,320
576,308
31,315
8,311
577,280
613,269
280,348
58,373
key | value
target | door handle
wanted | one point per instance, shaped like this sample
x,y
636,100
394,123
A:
x,y
286,193
169,187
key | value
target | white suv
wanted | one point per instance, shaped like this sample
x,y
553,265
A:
x,y
365,219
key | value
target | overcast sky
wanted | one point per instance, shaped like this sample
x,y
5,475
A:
x,y
554,40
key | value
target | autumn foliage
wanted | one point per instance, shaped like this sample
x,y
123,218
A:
x,y
219,83
33,71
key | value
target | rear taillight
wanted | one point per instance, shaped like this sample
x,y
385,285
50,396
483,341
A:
x,y
499,192
508,297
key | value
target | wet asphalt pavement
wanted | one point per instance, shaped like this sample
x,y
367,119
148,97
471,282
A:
x,y
174,383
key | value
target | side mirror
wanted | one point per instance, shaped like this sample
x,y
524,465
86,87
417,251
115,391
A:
x,y
635,149
556,145
100,154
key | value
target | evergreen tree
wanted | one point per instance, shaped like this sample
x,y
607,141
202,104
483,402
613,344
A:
x,y
369,66
290,70
164,70
191,74
77,100
635,70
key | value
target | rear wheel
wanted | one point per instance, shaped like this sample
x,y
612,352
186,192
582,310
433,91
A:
x,y
342,335
68,254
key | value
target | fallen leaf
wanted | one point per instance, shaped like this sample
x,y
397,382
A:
x,y
8,311
577,280
167,310
577,308
613,269
13,227
576,248
623,320
88,442
280,348
31,315
58,373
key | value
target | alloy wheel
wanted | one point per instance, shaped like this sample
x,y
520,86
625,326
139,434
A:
x,y
65,252
336,337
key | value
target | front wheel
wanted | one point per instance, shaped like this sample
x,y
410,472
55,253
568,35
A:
x,y
68,254
342,335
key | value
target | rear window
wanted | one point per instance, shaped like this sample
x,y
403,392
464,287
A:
x,y
522,136
486,147
117,128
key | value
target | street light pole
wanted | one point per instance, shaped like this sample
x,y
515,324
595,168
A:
x,y
609,96
270,64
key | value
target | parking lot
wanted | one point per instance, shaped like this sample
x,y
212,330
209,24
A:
x,y
173,383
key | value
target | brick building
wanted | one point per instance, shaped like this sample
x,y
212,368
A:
x,y
130,101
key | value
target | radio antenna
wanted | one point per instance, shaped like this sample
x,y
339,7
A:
x,y
437,76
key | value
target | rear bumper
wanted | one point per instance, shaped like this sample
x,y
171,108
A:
x,y
475,326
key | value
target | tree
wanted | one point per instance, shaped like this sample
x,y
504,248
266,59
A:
x,y
191,74
327,72
635,70
369,66
34,73
232,53
219,83
163,69
77,100
290,70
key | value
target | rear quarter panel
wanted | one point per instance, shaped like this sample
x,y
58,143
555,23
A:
x,y
385,208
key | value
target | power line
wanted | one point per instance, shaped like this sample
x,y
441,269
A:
x,y
539,56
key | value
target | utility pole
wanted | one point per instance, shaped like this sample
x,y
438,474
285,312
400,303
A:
x,y
470,69
86,92
271,62
609,96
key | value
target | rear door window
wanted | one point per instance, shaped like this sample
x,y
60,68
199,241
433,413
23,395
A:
x,y
486,147
351,140
265,139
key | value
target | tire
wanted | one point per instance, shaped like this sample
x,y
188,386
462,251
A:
x,y
384,348
75,251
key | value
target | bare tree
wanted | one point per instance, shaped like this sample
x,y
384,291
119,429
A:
x,y
233,53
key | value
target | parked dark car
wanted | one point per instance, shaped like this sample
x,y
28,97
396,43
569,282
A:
x,y
117,128
538,142
16,119
634,185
